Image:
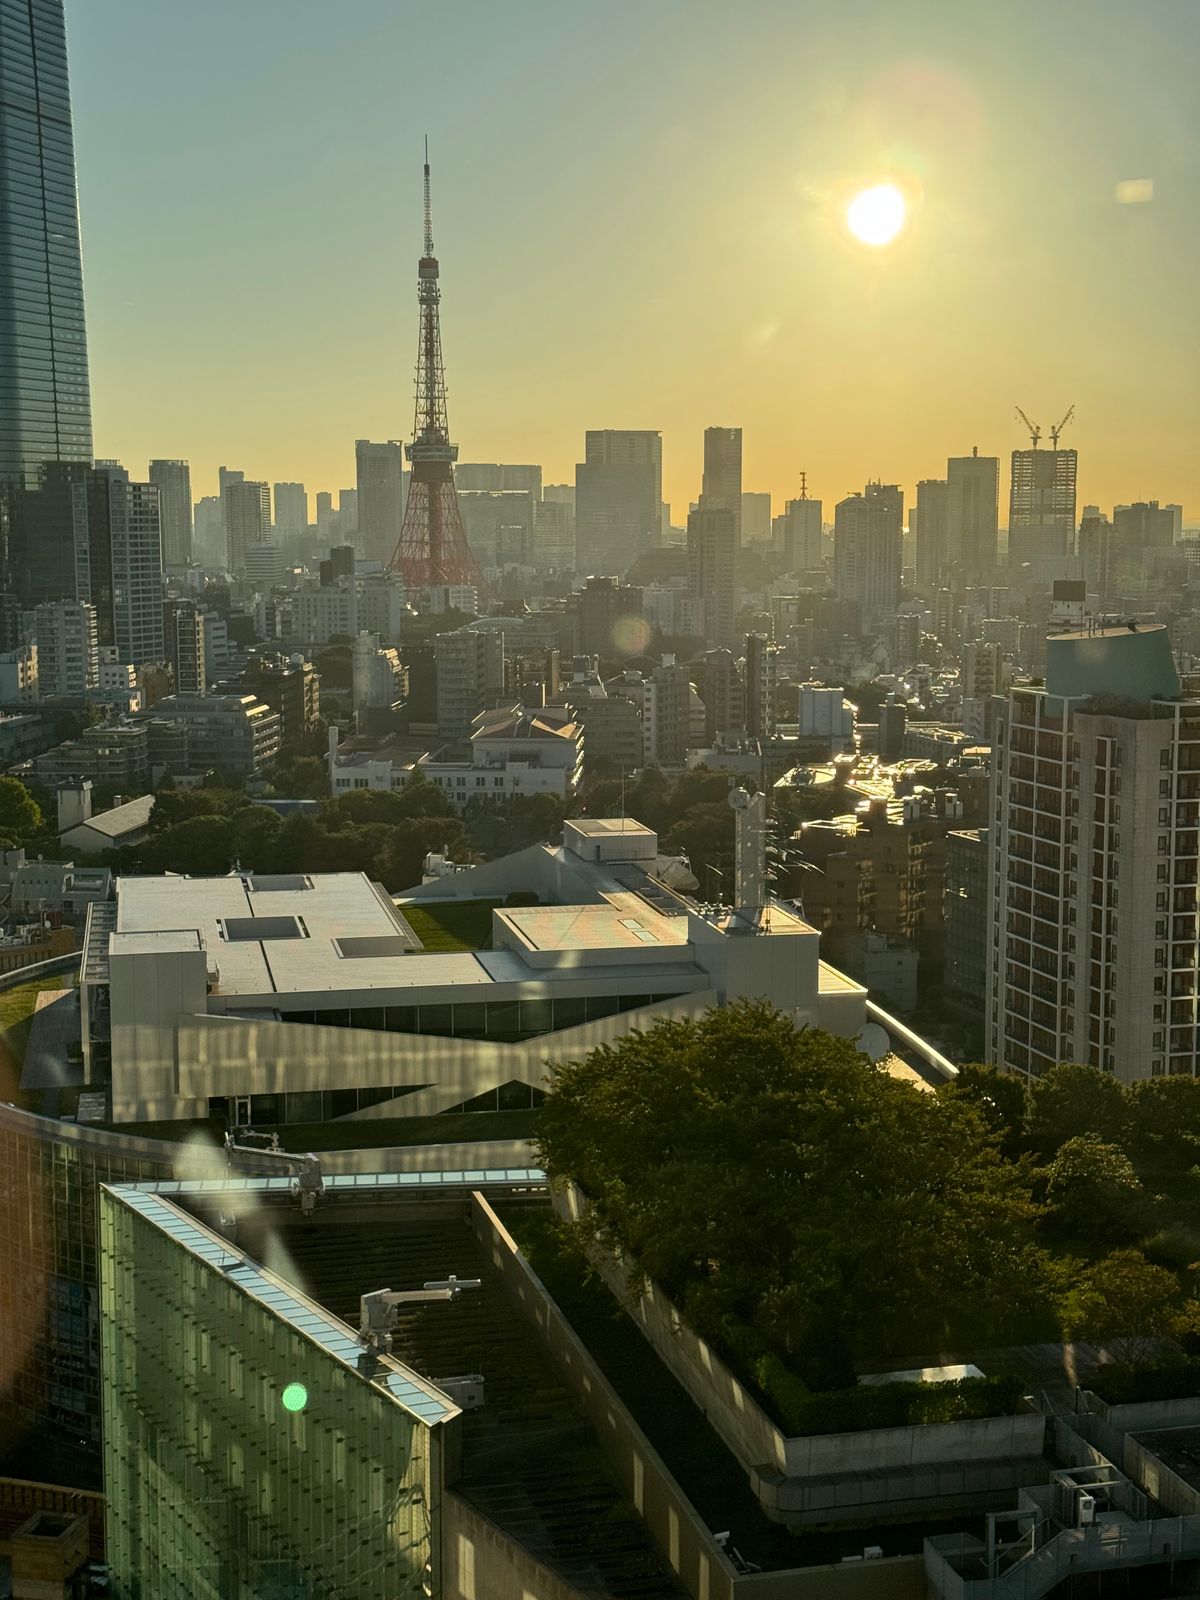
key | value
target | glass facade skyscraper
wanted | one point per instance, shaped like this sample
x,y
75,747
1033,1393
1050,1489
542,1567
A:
x,y
45,406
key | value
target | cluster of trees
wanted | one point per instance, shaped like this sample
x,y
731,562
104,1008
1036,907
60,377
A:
x,y
21,817
387,835
805,1208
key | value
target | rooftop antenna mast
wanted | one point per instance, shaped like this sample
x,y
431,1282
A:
x,y
803,484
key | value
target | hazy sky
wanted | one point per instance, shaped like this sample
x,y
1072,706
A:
x,y
637,208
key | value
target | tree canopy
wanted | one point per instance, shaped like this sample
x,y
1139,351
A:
x,y
20,815
794,1197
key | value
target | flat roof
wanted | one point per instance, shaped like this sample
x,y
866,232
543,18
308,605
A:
x,y
628,924
595,827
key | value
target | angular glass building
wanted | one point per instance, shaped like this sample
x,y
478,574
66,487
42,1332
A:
x,y
45,406
246,1452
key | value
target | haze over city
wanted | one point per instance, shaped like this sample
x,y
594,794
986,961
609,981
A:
x,y
640,222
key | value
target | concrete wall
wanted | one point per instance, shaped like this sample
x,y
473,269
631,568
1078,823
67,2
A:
x,y
758,1443
480,1561
673,1522
893,1578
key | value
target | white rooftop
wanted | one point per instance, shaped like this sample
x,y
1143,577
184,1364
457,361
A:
x,y
598,827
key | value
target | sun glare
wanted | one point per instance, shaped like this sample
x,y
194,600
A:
x,y
875,216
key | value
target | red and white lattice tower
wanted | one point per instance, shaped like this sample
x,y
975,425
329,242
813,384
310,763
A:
x,y
433,547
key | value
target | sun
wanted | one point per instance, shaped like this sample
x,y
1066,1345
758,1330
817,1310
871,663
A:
x,y
875,216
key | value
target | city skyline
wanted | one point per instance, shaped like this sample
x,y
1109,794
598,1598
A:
x,y
980,306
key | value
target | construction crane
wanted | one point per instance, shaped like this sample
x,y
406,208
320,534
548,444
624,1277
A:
x,y
1054,432
1035,432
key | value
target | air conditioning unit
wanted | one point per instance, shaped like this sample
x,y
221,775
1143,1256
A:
x,y
1085,1508
466,1390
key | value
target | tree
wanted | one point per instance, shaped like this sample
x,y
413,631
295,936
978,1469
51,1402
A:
x,y
793,1197
409,842
201,847
1124,1303
173,806
20,814
705,836
1000,1099
299,777
1164,1134
1070,1100
1093,1193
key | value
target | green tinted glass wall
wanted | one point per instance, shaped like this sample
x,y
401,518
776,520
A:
x,y
217,1487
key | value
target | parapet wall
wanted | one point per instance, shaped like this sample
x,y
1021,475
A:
x,y
792,1477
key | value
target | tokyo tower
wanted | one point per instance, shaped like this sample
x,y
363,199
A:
x,y
433,547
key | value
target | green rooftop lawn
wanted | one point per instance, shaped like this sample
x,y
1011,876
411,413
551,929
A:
x,y
453,924
17,1006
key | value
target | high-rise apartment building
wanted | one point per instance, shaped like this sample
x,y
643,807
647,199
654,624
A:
x,y
68,648
499,526
1096,550
721,486
470,674
173,480
797,535
1137,530
208,531
1093,911
45,406
607,617
618,499
247,519
756,515
972,513
932,510
90,534
868,550
380,475
724,695
760,675
1041,505
126,563
183,628
226,478
554,535
291,512
712,570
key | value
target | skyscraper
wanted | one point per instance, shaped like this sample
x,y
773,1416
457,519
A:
x,y
972,513
868,550
247,519
1041,505
291,512
797,537
618,499
173,480
931,526
45,407
721,488
380,472
712,569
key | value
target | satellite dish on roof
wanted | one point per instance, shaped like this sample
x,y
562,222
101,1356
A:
x,y
873,1041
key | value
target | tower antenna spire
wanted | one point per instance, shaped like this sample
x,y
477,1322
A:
x,y
428,204
432,550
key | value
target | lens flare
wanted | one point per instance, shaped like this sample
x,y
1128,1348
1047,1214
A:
x,y
295,1397
875,216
